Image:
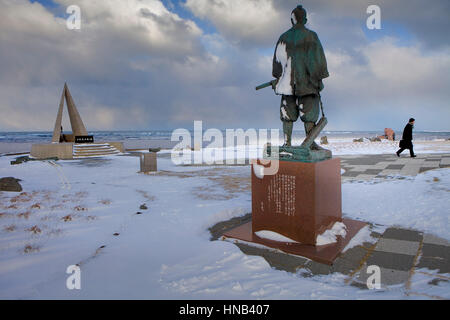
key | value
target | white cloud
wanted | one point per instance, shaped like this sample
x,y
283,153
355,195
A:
x,y
243,22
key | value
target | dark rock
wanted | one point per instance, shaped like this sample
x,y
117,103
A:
x,y
324,140
375,139
154,149
143,207
10,184
138,212
358,140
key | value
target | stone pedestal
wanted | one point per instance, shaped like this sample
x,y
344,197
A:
x,y
301,201
148,162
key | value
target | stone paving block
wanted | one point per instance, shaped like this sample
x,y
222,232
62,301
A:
x,y
388,276
432,239
431,164
355,254
380,165
398,246
403,234
389,260
344,266
350,260
431,159
318,268
351,174
395,166
367,161
364,176
372,171
410,170
442,266
423,169
389,172
436,251
360,168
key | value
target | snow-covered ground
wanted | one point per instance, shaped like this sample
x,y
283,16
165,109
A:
x,y
70,211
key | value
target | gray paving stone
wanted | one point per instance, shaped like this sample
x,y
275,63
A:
x,y
403,234
436,251
354,254
432,239
395,166
388,276
318,268
351,174
390,260
344,266
423,169
365,160
442,266
350,260
398,246
410,170
364,176
372,171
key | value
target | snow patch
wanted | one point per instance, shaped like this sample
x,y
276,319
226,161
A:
x,y
274,236
285,115
284,83
363,235
258,170
329,236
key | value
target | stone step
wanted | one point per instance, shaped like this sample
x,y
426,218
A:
x,y
97,152
92,147
93,150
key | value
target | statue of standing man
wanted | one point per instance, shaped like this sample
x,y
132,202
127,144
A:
x,y
299,65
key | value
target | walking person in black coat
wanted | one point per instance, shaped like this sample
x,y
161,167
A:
x,y
406,142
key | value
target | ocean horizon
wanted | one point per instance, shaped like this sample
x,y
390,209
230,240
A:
x,y
124,135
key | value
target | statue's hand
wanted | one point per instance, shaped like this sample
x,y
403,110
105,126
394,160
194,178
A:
x,y
274,83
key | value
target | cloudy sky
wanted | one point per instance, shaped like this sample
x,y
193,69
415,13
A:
x,y
151,64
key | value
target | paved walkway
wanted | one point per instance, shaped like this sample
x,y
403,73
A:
x,y
384,165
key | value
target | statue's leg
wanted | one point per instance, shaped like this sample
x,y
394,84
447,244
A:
x,y
287,130
288,114
309,112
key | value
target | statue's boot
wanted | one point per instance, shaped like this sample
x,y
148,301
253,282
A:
x,y
287,130
308,127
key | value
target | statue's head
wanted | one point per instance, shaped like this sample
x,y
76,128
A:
x,y
298,15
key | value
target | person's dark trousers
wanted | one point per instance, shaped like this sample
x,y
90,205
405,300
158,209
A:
x,y
409,146
411,151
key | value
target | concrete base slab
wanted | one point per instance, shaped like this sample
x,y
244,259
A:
x,y
323,254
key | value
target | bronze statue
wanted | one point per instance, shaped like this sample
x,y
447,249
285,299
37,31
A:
x,y
299,65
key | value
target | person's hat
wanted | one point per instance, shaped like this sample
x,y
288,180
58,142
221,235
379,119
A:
x,y
412,119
